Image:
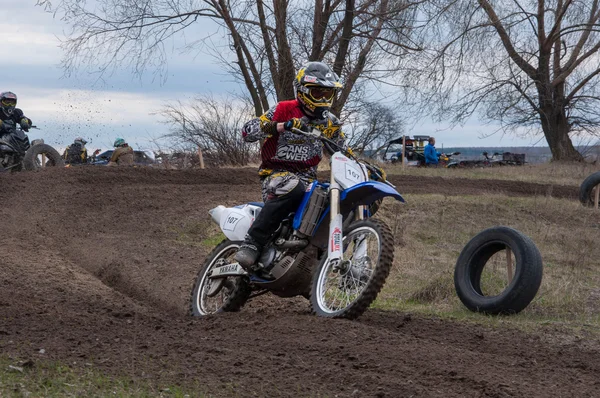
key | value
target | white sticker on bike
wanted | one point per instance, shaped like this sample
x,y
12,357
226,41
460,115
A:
x,y
232,220
353,174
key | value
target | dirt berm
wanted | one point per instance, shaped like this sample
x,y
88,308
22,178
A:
x,y
97,267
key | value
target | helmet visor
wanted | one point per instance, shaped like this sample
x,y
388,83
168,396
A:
x,y
321,93
10,102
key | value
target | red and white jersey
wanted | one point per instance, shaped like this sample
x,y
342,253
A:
x,y
289,151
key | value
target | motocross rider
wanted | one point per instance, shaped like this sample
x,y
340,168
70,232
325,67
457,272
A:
x,y
290,160
76,153
10,115
122,155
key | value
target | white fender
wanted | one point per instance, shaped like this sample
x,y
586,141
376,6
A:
x,y
235,221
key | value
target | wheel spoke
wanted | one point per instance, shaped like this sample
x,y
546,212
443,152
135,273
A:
x,y
210,305
338,291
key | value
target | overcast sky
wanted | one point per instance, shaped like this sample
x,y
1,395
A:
x,y
122,105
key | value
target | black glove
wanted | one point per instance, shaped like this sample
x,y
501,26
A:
x,y
296,124
25,124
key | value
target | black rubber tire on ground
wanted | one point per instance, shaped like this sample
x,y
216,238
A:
x,y
30,158
527,277
374,285
239,292
586,190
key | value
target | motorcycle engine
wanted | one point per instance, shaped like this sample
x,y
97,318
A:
x,y
268,256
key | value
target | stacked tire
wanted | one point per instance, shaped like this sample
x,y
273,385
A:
x,y
31,161
586,190
523,286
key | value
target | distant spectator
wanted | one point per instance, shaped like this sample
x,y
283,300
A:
x,y
10,115
431,155
122,155
76,153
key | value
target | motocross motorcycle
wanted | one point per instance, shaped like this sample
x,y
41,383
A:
x,y
330,251
17,154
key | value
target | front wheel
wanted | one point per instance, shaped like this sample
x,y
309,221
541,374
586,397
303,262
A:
x,y
347,289
211,296
41,155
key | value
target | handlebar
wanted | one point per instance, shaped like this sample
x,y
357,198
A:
x,y
317,134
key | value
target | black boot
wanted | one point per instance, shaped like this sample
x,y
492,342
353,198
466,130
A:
x,y
248,254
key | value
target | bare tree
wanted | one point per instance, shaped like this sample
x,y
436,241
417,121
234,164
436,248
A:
x,y
212,125
362,39
527,64
372,126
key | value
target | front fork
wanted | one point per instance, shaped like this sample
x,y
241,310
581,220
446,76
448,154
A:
x,y
335,248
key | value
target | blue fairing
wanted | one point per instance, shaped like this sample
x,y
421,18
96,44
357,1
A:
x,y
302,208
368,192
364,193
361,194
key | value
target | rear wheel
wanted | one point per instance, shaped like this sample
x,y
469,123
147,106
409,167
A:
x,y
346,290
41,155
211,296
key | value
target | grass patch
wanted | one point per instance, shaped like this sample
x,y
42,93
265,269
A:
x,y
54,379
570,173
441,288
204,233
432,237
214,240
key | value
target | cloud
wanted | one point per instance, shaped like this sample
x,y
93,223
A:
x,y
30,43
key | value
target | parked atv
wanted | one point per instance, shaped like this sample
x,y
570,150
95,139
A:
x,y
16,153
445,160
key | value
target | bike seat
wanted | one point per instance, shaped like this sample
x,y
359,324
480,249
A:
x,y
259,204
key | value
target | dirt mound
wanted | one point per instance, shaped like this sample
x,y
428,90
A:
x,y
98,265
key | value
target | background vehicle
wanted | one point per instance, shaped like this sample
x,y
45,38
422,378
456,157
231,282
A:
x,y
496,159
328,251
414,148
16,153
414,152
445,159
144,158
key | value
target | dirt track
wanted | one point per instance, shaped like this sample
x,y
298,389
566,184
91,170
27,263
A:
x,y
110,288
